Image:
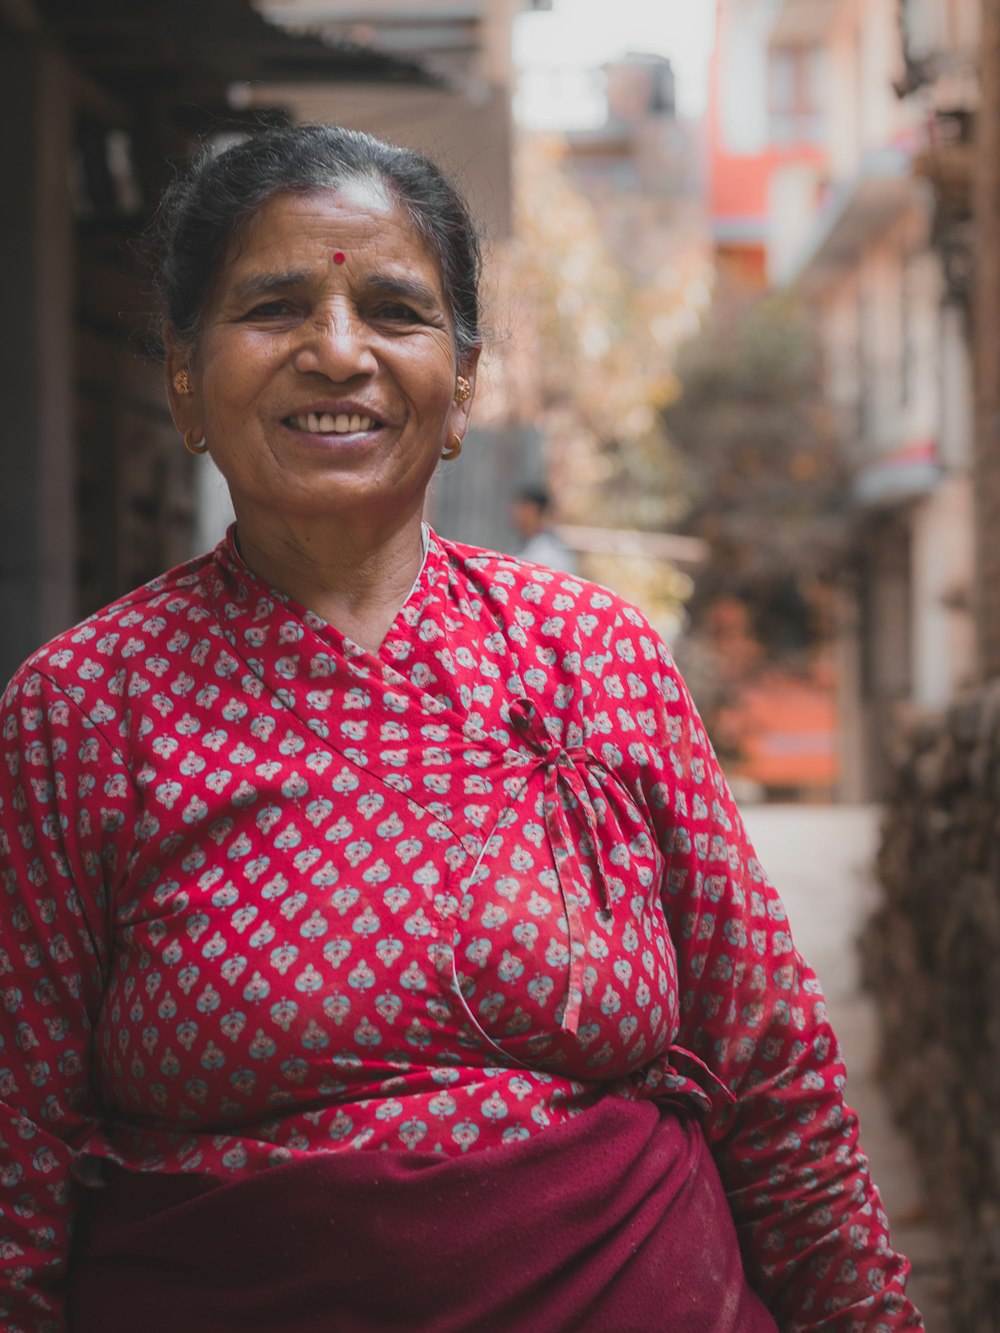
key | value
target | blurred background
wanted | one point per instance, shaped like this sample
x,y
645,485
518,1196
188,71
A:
x,y
744,330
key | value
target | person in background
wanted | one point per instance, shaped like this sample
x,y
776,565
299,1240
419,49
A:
x,y
381,946
530,516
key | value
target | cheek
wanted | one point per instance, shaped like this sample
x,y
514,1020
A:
x,y
237,370
232,409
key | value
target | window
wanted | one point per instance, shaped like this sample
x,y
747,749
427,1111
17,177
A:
x,y
795,94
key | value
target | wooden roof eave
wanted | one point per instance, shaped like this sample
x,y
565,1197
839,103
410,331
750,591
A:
x,y
186,50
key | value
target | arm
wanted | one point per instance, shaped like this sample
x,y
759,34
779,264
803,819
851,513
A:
x,y
811,1225
60,800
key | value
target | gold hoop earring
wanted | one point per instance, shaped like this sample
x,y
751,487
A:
x,y
454,451
194,446
463,390
182,382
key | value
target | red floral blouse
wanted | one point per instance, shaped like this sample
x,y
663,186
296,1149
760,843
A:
x,y
270,895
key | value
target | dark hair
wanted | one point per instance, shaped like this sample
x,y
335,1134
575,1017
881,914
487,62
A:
x,y
220,192
537,496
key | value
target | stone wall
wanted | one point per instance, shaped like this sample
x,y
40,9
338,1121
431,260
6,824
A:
x,y
932,956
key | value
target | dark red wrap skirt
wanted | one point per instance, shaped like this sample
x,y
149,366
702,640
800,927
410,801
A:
x,y
614,1221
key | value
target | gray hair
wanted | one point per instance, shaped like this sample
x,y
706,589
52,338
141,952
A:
x,y
220,192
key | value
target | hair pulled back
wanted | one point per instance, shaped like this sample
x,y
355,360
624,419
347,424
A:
x,y
219,193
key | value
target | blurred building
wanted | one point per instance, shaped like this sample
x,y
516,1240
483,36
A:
x,y
768,152
460,114
98,98
936,936
636,173
893,325
640,168
611,274
863,211
767,143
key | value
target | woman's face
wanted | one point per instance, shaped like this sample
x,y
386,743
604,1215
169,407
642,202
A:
x,y
323,377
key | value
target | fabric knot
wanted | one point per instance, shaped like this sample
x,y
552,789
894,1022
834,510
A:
x,y
524,718
570,821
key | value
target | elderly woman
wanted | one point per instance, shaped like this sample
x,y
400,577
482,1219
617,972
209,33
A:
x,y
382,946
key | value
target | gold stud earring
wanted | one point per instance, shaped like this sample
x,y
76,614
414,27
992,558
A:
x,y
463,389
182,382
194,446
454,451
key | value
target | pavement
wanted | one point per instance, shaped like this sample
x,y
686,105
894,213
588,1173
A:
x,y
820,859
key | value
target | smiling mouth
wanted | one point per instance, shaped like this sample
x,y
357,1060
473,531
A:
x,y
325,423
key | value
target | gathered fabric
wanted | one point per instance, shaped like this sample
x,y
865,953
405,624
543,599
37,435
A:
x,y
615,1220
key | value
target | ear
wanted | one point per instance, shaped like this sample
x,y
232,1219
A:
x,y
183,406
461,412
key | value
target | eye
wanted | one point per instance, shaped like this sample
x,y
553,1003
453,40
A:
x,y
269,310
396,312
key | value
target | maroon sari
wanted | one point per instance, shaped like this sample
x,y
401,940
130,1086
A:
x,y
614,1221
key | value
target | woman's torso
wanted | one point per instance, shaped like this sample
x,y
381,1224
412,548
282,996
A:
x,y
392,901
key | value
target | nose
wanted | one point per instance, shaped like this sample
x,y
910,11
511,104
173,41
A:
x,y
336,343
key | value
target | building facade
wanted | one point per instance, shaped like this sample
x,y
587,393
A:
x,y
859,230
766,146
936,936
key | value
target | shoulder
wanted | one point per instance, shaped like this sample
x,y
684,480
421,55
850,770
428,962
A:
x,y
82,654
586,650
539,603
511,580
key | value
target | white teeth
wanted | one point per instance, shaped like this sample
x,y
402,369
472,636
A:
x,y
326,423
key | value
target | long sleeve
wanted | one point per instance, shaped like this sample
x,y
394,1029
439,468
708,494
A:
x,y
63,795
809,1218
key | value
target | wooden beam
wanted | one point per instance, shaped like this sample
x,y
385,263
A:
x,y
36,444
21,15
631,542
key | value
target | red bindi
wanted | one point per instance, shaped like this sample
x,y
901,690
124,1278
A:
x,y
339,257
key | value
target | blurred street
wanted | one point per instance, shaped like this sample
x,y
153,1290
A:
x,y
820,859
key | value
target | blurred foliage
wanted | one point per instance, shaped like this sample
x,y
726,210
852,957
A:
x,y
766,489
761,469
606,342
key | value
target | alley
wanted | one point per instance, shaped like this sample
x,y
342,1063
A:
x,y
820,858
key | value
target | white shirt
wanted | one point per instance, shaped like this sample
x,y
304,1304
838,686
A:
x,y
545,548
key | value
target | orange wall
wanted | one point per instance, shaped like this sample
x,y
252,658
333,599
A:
x,y
739,185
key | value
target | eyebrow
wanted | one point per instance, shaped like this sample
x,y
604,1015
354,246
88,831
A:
x,y
408,289
266,284
258,285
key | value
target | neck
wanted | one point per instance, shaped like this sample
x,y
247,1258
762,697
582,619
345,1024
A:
x,y
357,581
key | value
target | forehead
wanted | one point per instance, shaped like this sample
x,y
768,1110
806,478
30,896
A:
x,y
360,218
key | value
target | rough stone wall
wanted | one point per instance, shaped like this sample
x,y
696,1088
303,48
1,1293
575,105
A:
x,y
932,956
